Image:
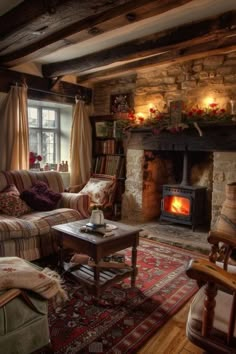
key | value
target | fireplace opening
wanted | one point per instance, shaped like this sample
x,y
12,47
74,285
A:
x,y
182,202
165,168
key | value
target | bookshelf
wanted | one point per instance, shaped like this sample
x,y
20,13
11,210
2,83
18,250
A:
x,y
108,154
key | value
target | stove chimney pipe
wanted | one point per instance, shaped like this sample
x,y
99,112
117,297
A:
x,y
184,181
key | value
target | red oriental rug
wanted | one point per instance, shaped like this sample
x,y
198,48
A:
x,y
125,317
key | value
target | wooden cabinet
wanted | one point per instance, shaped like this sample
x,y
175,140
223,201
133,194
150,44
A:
x,y
108,153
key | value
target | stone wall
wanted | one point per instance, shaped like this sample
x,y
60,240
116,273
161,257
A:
x,y
133,197
224,172
191,82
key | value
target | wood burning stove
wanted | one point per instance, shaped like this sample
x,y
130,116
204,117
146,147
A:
x,y
183,203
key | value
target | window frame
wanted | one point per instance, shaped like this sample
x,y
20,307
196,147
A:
x,y
41,129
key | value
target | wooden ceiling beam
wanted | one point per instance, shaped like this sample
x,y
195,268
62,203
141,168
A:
x,y
109,16
174,39
40,88
26,12
189,53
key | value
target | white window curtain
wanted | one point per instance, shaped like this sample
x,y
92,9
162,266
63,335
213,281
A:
x,y
80,145
14,131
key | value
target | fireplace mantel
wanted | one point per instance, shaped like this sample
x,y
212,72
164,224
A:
x,y
220,137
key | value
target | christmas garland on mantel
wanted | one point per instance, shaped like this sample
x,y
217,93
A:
x,y
159,122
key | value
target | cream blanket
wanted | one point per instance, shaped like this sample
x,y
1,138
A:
x,y
16,273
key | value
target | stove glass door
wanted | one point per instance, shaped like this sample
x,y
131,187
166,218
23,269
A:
x,y
177,205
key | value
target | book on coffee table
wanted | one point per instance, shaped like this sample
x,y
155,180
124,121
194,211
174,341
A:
x,y
105,230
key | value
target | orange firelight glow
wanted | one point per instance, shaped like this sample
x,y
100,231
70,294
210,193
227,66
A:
x,y
179,205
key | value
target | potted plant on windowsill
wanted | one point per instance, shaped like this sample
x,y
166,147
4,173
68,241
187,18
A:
x,y
34,160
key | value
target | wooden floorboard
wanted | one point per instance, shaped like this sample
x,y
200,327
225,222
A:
x,y
171,338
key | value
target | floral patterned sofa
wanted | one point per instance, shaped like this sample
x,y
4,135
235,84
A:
x,y
25,232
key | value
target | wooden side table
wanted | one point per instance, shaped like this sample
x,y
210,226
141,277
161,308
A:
x,y
97,247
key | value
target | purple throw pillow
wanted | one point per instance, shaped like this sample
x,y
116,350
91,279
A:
x,y
40,197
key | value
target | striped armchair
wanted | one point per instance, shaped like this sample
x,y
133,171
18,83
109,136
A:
x,y
29,235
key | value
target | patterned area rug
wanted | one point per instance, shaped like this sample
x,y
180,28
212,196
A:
x,y
124,318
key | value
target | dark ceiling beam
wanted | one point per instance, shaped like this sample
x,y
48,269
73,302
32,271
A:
x,y
105,19
26,12
189,53
40,88
177,38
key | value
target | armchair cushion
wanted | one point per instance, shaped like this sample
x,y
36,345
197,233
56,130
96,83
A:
x,y
40,197
99,190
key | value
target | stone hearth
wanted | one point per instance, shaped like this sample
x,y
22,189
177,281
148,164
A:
x,y
175,235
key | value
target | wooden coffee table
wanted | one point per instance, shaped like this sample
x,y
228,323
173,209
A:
x,y
97,278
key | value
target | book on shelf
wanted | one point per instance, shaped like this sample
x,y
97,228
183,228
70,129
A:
x,y
112,165
107,146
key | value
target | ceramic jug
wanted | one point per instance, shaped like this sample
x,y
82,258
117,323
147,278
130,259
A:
x,y
97,217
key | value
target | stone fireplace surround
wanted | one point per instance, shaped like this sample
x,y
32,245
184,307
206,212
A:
x,y
147,169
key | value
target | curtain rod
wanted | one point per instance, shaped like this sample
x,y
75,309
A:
x,y
52,93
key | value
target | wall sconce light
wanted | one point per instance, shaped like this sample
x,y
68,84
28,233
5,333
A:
x,y
208,100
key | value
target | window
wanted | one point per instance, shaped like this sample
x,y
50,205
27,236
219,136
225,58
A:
x,y
44,132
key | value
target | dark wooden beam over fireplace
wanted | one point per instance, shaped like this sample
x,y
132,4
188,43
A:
x,y
217,137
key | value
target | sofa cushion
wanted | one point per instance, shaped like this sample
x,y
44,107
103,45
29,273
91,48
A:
x,y
17,228
99,190
52,217
40,197
11,188
11,203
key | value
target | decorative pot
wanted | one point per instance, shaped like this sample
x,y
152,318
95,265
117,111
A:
x,y
35,166
226,222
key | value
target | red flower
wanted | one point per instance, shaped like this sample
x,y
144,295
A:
x,y
131,116
33,157
141,119
31,160
213,105
222,110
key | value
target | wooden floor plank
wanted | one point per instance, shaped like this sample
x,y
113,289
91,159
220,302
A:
x,y
171,338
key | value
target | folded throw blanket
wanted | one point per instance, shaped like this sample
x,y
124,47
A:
x,y
16,273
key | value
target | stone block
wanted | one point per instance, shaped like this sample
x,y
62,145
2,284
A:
x,y
230,62
188,84
197,68
225,70
213,61
203,75
230,78
174,71
169,80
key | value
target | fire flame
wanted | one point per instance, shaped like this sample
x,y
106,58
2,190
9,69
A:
x,y
179,205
